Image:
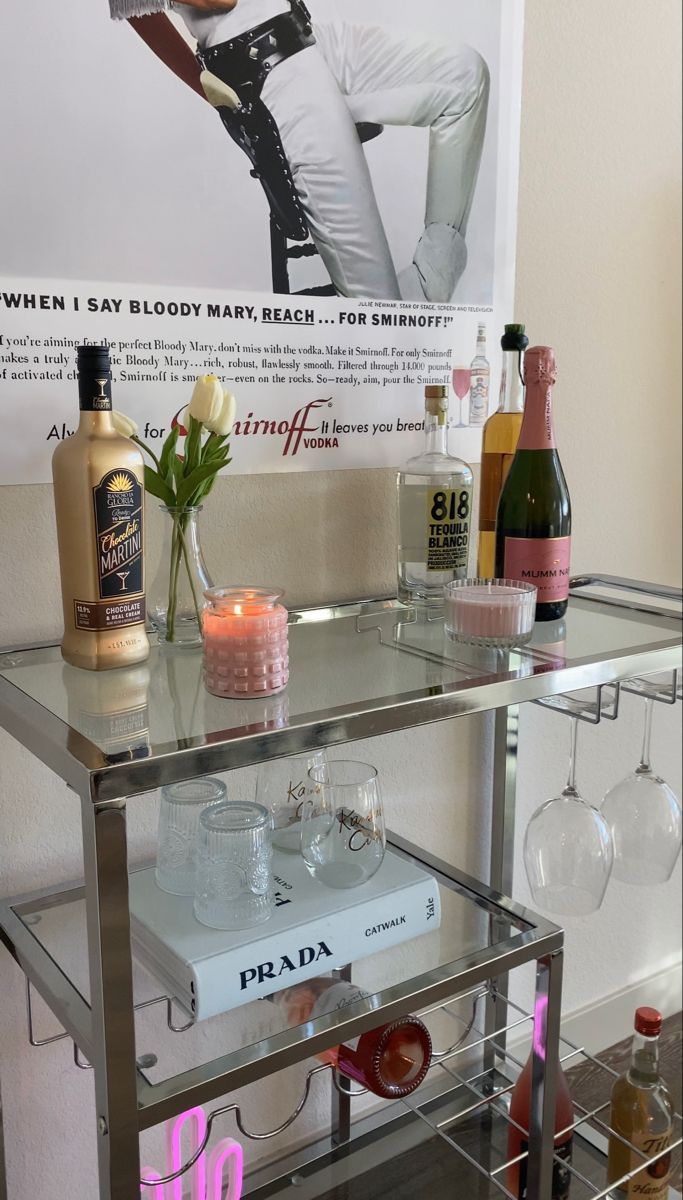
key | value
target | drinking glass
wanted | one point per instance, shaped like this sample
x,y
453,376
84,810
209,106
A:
x,y
568,850
343,839
181,805
644,816
462,382
283,787
233,886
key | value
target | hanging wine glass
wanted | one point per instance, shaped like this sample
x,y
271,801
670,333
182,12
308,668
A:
x,y
645,818
568,851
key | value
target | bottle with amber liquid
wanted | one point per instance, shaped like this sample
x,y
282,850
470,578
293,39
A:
x,y
518,1138
99,500
391,1061
501,435
642,1115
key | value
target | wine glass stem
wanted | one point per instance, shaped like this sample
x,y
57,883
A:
x,y
574,733
647,736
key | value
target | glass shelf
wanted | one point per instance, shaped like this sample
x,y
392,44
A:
x,y
357,670
481,933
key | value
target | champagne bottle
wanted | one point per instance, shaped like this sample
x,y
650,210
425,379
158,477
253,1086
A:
x,y
99,491
642,1115
518,1138
391,1061
501,435
534,521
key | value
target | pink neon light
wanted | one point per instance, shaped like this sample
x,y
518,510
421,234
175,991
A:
x,y
226,1153
155,1190
196,1117
220,1155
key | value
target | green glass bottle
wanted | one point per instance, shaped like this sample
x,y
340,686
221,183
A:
x,y
534,520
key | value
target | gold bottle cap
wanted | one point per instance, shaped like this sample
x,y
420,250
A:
x,y
436,400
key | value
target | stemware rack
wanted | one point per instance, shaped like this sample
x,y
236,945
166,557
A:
x,y
632,634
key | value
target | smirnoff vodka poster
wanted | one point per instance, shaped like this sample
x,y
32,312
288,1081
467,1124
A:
x,y
319,207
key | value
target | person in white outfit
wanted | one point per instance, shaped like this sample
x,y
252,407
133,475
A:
x,y
362,73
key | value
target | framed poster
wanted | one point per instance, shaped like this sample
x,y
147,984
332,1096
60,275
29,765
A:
x,y
319,208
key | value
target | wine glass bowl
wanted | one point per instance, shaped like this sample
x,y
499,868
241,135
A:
x,y
568,855
644,816
568,850
343,838
462,382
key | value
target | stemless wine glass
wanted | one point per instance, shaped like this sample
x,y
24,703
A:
x,y
462,381
568,850
343,839
644,816
283,787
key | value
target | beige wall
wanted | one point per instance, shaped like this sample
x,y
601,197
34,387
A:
x,y
599,278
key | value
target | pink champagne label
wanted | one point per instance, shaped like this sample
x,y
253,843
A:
x,y
541,561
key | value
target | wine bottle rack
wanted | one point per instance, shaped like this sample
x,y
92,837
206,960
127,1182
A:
x,y
385,670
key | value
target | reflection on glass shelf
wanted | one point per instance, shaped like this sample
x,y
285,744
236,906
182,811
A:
x,y
346,662
61,929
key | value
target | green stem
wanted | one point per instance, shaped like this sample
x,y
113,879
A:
x,y
147,450
173,582
181,534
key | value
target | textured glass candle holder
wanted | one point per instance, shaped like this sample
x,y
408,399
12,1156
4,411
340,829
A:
x,y
181,806
490,612
233,888
245,642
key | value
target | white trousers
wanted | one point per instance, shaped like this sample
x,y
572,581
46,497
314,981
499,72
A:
x,y
366,73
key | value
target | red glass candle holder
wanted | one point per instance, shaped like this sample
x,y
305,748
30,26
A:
x,y
245,642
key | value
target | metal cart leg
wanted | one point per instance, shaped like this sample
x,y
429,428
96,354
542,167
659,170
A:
x,y
504,797
111,989
341,1104
546,1060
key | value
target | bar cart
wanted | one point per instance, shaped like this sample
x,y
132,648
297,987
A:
x,y
386,669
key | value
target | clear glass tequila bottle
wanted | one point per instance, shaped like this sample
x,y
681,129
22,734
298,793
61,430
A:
x,y
434,512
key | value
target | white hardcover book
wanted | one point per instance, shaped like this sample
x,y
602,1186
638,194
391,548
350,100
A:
x,y
313,930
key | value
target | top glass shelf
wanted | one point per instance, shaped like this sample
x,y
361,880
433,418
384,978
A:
x,y
357,670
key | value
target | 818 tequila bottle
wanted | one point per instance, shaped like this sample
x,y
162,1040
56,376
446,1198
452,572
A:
x,y
434,512
99,498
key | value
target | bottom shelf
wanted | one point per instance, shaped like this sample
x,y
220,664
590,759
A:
x,y
450,1138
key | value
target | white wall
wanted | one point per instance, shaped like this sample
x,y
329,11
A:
x,y
599,264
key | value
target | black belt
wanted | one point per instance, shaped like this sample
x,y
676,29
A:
x,y
245,62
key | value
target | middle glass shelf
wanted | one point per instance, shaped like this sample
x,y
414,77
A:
x,y
481,935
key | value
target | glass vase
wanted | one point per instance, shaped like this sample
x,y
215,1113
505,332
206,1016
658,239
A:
x,y
176,597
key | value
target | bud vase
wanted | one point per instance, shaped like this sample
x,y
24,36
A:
x,y
176,597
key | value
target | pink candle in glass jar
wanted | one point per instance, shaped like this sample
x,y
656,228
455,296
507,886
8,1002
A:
x,y
245,642
490,612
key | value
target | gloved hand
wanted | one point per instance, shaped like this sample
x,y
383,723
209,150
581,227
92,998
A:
x,y
218,93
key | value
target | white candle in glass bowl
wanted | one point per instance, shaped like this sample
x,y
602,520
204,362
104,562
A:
x,y
490,612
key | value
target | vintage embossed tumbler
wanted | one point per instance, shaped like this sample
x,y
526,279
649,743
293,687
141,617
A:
x,y
245,642
233,887
343,839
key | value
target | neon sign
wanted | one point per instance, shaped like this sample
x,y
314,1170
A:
x,y
207,1176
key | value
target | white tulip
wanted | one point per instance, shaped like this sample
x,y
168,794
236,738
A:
x,y
207,400
124,425
225,420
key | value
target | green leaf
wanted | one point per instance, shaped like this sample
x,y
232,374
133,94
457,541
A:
x,y
168,454
177,467
158,487
192,481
